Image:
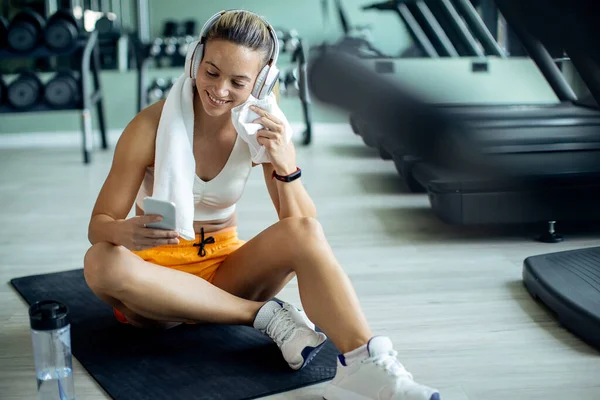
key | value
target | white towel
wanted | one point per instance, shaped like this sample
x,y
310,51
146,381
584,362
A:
x,y
174,163
242,118
175,166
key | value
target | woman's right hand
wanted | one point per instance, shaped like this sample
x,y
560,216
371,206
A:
x,y
134,235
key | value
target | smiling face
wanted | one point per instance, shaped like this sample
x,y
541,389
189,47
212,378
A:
x,y
226,75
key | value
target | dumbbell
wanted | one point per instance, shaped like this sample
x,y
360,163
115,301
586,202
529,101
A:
x,y
62,31
25,31
3,31
280,33
189,33
170,28
108,24
189,27
282,88
156,47
63,90
25,91
183,43
156,91
168,87
292,87
170,46
292,41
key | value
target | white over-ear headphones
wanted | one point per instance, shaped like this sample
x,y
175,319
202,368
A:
x,y
268,76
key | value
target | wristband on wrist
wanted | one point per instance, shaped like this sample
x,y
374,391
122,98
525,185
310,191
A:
x,y
288,178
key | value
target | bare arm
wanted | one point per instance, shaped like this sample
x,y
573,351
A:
x,y
133,153
289,198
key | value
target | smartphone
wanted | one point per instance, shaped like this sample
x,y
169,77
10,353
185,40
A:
x,y
166,209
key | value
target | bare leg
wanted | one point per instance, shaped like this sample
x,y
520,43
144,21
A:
x,y
146,292
257,271
261,267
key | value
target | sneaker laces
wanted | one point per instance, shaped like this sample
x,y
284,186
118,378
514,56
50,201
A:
x,y
281,326
389,363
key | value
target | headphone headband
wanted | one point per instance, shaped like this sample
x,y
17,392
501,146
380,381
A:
x,y
213,20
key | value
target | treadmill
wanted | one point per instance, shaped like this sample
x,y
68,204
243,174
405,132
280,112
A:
x,y
482,164
553,152
540,125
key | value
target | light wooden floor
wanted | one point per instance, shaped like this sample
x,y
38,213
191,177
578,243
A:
x,y
451,299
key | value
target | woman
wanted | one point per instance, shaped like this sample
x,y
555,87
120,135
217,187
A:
x,y
153,278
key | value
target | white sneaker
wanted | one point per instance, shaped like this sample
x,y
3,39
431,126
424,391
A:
x,y
379,377
292,331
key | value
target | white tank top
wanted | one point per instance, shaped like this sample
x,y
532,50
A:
x,y
215,199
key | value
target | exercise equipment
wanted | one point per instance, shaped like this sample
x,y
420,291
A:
x,y
170,34
170,28
25,31
159,89
194,361
170,49
280,32
2,91
25,91
62,31
63,90
290,82
189,27
477,171
108,24
356,39
156,91
187,37
113,47
3,32
291,41
554,150
568,283
423,13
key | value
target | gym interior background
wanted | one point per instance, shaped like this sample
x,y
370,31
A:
x,y
443,264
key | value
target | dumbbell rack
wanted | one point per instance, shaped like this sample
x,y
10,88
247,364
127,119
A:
x,y
87,52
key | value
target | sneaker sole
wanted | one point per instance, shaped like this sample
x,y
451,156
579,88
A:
x,y
333,392
309,353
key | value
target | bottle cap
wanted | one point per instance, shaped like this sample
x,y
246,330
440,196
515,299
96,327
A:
x,y
48,315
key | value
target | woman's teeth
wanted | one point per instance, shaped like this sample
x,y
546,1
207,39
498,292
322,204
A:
x,y
217,101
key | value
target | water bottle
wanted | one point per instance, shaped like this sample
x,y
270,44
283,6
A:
x,y
51,336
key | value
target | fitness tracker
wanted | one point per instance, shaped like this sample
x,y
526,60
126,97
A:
x,y
288,178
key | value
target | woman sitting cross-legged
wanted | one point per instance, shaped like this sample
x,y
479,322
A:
x,y
158,278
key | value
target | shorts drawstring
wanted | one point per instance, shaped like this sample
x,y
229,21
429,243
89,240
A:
x,y
208,240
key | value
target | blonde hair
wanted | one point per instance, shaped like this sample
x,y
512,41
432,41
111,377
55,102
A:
x,y
243,28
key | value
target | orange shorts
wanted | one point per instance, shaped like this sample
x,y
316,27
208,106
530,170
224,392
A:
x,y
197,257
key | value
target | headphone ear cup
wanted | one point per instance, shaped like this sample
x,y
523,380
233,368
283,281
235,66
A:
x,y
265,82
271,80
193,59
260,81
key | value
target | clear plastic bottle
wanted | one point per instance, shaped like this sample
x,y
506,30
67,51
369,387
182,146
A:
x,y
51,336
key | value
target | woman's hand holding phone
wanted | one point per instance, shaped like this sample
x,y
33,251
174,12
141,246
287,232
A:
x,y
135,235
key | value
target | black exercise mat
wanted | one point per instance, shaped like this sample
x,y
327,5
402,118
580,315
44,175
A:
x,y
187,362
